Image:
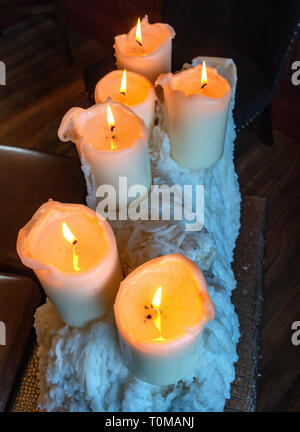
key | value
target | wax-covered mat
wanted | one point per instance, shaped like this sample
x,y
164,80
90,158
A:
x,y
26,393
247,299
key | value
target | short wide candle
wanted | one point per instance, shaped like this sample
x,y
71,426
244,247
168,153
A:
x,y
73,252
197,111
113,141
130,89
160,310
149,53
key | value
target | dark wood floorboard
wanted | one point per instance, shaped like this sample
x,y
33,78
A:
x,y
273,172
41,87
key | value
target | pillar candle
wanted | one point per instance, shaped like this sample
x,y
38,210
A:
x,y
73,252
197,107
160,310
112,139
148,52
130,89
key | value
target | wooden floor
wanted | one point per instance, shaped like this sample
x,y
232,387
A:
x,y
41,87
274,173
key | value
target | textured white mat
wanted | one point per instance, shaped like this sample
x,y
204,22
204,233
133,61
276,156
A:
x,y
81,370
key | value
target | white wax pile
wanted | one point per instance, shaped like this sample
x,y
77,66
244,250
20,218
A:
x,y
81,369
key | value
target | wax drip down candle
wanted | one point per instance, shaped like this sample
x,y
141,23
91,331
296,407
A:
x,y
146,49
160,311
130,89
113,141
73,252
197,103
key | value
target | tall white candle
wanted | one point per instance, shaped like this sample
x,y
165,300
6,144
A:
x,y
130,89
73,252
197,112
160,310
148,52
112,139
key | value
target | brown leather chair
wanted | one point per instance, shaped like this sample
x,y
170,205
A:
x,y
19,298
27,180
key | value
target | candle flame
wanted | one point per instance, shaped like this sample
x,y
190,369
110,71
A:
x,y
157,299
123,83
203,75
110,118
69,236
156,302
138,34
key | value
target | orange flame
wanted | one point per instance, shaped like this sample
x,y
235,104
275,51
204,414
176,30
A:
x,y
69,236
138,33
156,302
123,83
203,75
110,117
111,124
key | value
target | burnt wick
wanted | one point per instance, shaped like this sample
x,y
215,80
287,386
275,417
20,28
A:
x,y
112,128
149,316
203,85
140,43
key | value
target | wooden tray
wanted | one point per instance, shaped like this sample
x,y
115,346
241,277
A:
x,y
247,299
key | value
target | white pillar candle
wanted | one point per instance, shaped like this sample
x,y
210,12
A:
x,y
113,141
160,310
197,111
146,49
130,89
73,252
